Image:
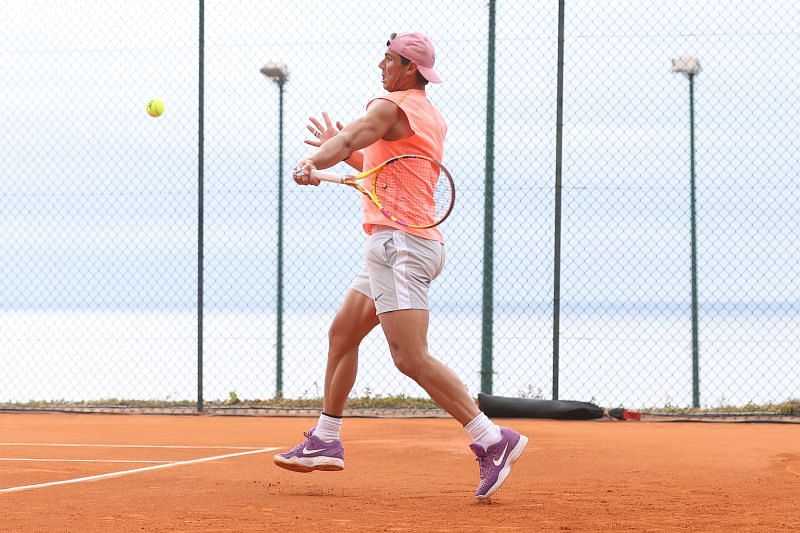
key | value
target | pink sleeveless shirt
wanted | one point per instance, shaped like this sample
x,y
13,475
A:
x,y
429,130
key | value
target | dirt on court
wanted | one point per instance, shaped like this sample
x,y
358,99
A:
x,y
401,475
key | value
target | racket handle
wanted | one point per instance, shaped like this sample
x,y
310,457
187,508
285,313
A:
x,y
323,175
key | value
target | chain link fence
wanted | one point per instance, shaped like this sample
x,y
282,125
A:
x,y
105,212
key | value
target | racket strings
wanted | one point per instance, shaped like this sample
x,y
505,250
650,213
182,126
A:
x,y
416,191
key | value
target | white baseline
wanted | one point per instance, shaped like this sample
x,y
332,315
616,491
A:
x,y
133,471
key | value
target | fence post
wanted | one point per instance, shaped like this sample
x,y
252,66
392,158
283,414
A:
x,y
488,221
695,334
557,222
200,202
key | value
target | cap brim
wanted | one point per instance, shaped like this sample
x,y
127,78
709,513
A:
x,y
429,74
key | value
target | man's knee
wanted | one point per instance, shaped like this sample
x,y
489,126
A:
x,y
340,340
409,361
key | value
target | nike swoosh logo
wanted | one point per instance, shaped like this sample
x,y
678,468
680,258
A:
x,y
308,451
502,456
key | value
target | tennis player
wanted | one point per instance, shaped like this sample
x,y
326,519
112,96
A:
x,y
392,288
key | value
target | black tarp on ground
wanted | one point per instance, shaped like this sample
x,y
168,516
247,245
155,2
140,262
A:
x,y
503,407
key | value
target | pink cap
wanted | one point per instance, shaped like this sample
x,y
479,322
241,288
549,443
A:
x,y
419,49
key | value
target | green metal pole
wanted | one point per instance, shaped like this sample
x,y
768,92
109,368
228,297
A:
x,y
488,221
557,221
279,319
695,327
200,204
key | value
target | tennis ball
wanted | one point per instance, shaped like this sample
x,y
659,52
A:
x,y
155,107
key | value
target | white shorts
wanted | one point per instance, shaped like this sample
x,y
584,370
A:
x,y
399,269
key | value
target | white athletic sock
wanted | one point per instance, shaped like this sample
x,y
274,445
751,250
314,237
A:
x,y
483,431
328,427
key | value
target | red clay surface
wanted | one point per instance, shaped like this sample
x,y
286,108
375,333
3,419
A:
x,y
400,475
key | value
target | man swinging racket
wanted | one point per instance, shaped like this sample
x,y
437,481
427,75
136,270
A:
x,y
401,261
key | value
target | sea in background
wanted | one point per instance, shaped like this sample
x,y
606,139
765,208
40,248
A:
x,y
623,359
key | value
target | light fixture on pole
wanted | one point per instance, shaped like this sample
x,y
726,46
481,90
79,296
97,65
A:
x,y
690,66
279,73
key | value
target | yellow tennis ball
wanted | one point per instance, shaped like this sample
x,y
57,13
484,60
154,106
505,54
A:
x,y
155,107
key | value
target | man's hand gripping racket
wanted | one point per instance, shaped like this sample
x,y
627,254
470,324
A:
x,y
414,191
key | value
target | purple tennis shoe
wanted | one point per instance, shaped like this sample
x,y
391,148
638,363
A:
x,y
495,463
313,454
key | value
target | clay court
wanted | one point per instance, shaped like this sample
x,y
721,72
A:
x,y
97,472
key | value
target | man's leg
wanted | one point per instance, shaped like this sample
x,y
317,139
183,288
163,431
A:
x,y
407,333
322,449
496,448
354,320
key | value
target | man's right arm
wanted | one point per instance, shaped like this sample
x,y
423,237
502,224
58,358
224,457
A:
x,y
361,133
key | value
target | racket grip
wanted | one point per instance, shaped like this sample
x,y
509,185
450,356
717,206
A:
x,y
323,175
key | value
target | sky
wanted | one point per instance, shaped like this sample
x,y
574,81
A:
x,y
96,193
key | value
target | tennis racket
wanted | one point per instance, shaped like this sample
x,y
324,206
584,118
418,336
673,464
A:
x,y
413,191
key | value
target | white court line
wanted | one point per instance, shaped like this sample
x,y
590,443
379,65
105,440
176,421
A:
x,y
133,471
130,446
32,460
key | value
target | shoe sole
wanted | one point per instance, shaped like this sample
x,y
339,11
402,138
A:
x,y
512,458
329,464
